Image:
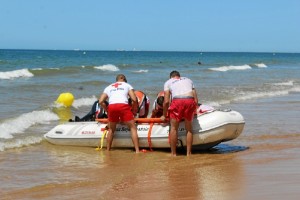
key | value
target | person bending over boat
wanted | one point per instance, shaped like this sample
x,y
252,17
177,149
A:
x,y
119,110
157,108
184,101
143,104
97,112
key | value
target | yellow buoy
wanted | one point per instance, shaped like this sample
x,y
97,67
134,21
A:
x,y
66,99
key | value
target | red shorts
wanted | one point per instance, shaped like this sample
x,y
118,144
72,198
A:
x,y
119,112
182,109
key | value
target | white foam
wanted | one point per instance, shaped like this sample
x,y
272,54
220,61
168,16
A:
x,y
16,74
261,65
85,101
89,101
288,83
141,71
295,89
257,95
39,69
213,103
18,125
57,105
108,67
20,142
231,67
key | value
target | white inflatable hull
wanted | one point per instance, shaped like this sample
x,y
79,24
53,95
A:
x,y
209,129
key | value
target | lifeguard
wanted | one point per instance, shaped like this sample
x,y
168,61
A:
x,y
143,104
157,108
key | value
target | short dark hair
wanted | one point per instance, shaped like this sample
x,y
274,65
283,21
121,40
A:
x,y
160,100
174,73
121,77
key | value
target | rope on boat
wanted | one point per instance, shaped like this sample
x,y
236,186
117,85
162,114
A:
x,y
100,146
102,138
137,120
149,136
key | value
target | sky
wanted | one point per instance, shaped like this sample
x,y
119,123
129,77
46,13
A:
x,y
151,25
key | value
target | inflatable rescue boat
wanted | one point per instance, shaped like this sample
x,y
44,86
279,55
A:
x,y
209,129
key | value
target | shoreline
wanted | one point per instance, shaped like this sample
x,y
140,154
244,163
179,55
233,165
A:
x,y
246,173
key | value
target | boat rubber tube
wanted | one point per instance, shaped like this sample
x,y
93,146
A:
x,y
137,120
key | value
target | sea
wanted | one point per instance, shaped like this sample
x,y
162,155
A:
x,y
263,162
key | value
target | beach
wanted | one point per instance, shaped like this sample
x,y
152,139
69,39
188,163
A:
x,y
53,172
262,163
257,165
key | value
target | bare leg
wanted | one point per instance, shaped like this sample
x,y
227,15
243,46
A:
x,y
189,137
134,136
110,135
174,136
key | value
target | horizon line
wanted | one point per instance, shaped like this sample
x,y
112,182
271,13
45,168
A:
x,y
123,50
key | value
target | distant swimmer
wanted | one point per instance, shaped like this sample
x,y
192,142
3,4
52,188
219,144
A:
x,y
199,63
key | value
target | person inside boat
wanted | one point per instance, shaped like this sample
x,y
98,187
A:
x,y
97,112
157,108
119,110
184,101
143,104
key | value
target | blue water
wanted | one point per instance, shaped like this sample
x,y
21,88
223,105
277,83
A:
x,y
31,80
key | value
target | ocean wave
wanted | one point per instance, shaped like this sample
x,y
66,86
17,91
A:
x,y
85,101
258,95
89,101
288,83
260,65
108,67
16,74
213,103
231,67
24,121
20,142
239,95
141,71
55,71
295,89
40,69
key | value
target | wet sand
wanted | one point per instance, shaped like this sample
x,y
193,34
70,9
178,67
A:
x,y
262,163
230,171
